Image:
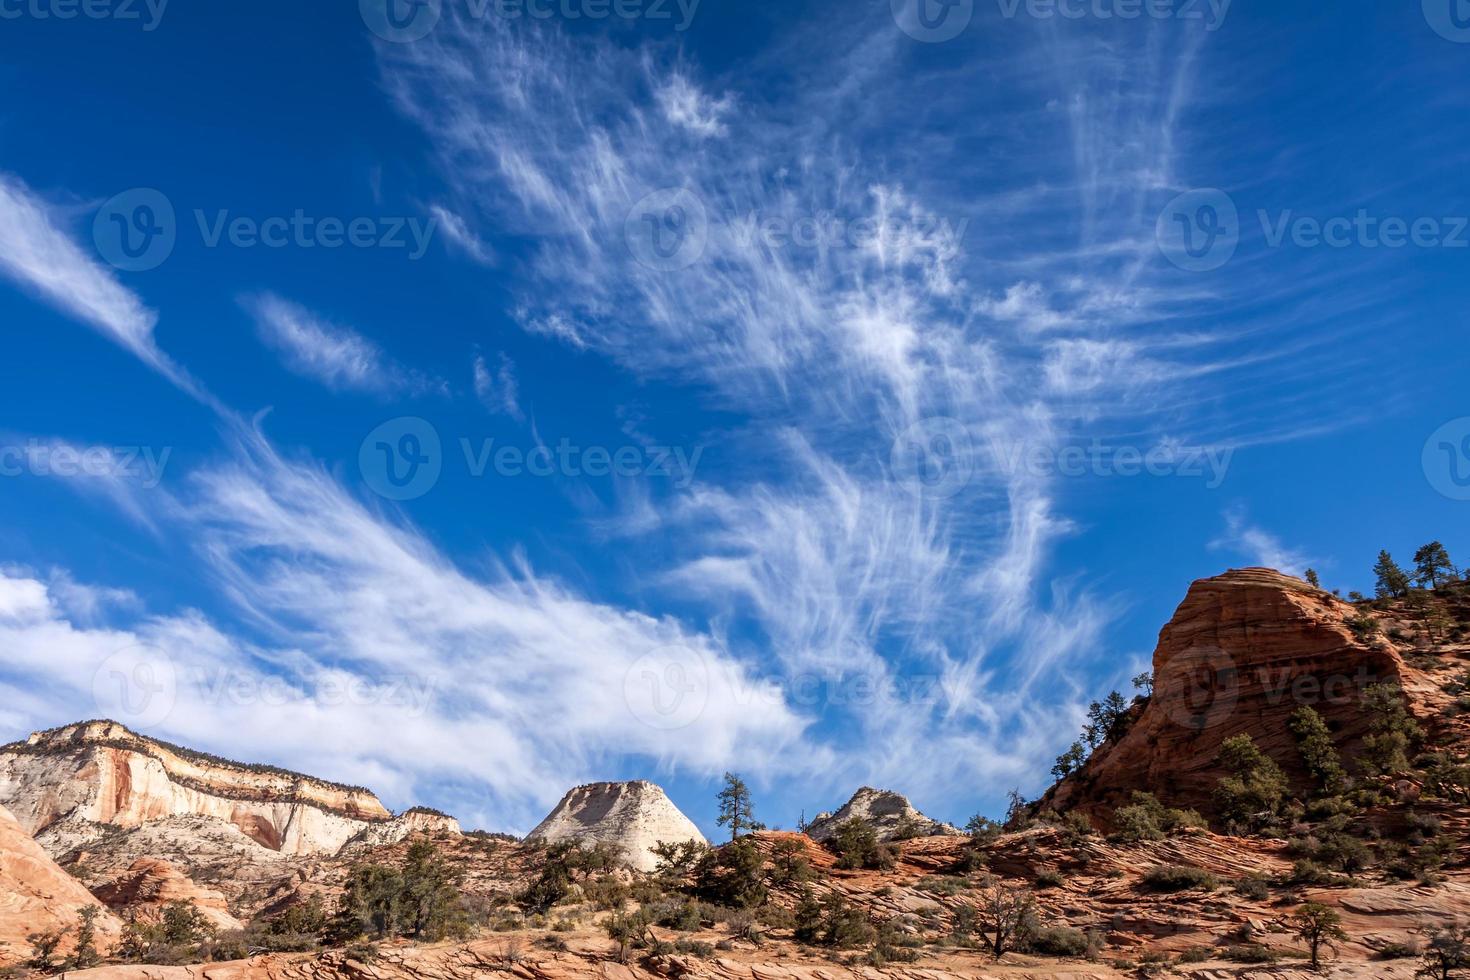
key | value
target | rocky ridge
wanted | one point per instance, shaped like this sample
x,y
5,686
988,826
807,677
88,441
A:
x,y
887,812
99,774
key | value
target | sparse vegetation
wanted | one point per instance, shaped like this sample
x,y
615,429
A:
x,y
856,845
1178,878
418,900
1148,819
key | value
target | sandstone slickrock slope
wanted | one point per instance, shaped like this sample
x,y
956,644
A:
x,y
85,777
889,813
633,816
36,895
150,884
1243,651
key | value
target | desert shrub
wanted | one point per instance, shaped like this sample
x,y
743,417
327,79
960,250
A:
x,y
943,887
682,916
694,947
733,875
1057,941
1196,954
1255,887
1178,878
842,925
909,827
1049,878
1397,951
1075,826
677,861
856,845
1446,953
1249,953
1305,871
789,864
1148,819
630,930
418,900
175,938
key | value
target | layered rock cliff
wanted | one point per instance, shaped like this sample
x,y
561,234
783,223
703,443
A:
x,y
93,775
632,816
1241,654
887,812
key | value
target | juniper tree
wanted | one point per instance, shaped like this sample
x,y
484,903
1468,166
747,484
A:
x,y
1318,926
1312,579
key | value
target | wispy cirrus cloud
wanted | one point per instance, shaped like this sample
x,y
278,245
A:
x,y
498,389
37,254
549,686
334,355
1258,545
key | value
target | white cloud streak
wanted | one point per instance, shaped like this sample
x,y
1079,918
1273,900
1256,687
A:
x,y
334,355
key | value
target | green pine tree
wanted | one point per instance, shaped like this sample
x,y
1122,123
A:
x,y
1392,581
1432,565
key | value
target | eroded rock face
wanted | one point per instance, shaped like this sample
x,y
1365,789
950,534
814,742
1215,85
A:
x,y
38,896
889,813
146,888
102,774
1241,654
404,826
633,816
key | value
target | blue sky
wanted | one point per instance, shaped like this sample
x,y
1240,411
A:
x,y
485,404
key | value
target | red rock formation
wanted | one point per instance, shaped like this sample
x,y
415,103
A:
x,y
1243,652
37,896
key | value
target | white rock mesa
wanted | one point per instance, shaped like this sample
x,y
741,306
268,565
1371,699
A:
x,y
632,816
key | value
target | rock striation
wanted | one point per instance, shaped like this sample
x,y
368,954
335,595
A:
x,y
632,816
150,885
38,896
95,775
889,813
1241,654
